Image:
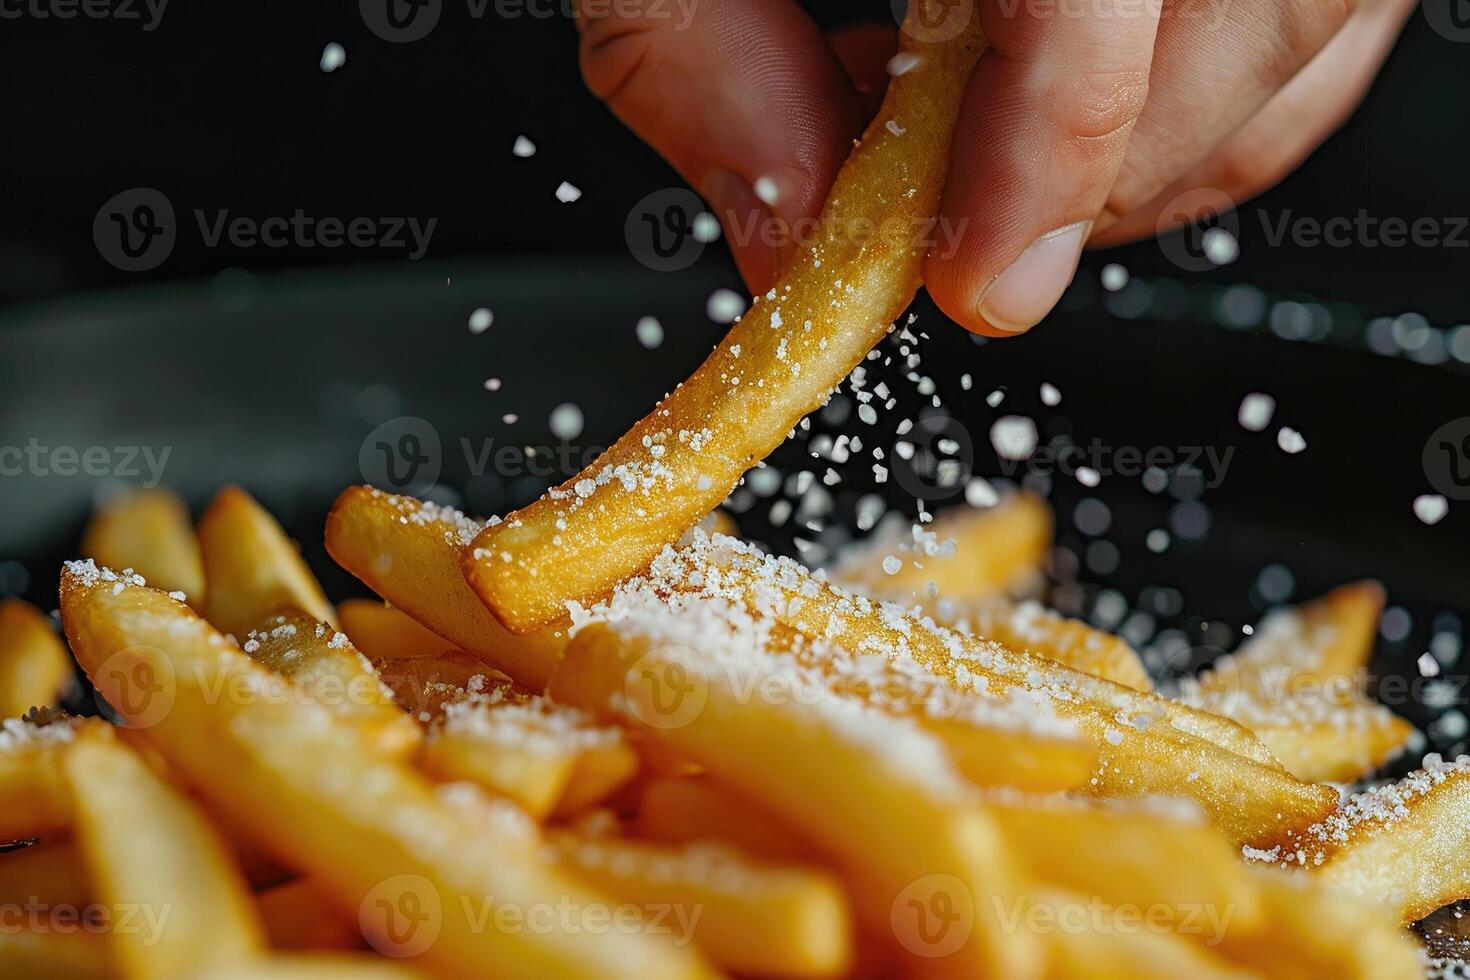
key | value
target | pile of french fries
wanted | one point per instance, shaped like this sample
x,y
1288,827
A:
x,y
600,738
728,765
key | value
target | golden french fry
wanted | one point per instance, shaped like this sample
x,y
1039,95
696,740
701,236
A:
x,y
384,633
426,686
1350,742
314,967
690,809
146,848
150,532
905,830
966,553
1310,931
1405,845
34,799
35,667
322,665
408,552
1115,945
1146,745
1032,627
528,749
776,364
426,877
301,914
748,917
1320,647
54,955
1133,856
251,568
45,873
599,771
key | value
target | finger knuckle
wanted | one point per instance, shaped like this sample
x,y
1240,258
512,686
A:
x,y
1106,104
615,56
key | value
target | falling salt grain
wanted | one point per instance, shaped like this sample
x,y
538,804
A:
x,y
567,193
1290,440
492,384
334,56
1088,477
1431,508
481,319
1428,666
868,414
767,190
523,147
724,306
705,228
995,397
510,418
1050,396
649,331
566,421
1013,436
1114,277
1220,246
979,493
892,564
1157,540
1255,412
903,63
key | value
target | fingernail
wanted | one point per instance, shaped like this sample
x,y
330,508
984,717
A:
x,y
1027,290
748,225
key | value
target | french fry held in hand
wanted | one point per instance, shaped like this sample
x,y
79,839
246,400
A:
x,y
967,553
678,677
147,848
301,914
408,552
779,362
35,668
368,828
321,665
149,531
252,568
751,918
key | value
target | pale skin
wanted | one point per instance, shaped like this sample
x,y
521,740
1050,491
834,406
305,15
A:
x,y
1083,123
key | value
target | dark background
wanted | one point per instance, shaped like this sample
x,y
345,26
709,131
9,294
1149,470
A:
x,y
223,105
271,367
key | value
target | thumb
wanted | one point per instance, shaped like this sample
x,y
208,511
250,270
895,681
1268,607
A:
x,y
743,97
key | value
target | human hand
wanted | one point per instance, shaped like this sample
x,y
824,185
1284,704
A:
x,y
1083,122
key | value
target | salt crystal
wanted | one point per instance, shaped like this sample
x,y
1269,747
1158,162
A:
x,y
523,147
979,493
334,56
492,384
566,421
1013,436
1431,508
481,319
1255,412
1290,440
724,306
767,190
567,193
1049,394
